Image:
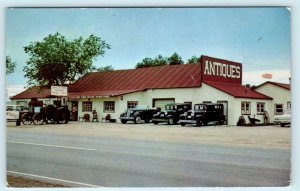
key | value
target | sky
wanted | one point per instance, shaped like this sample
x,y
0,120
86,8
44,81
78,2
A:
x,y
259,38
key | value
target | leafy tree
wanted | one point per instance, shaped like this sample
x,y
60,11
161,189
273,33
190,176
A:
x,y
193,60
58,61
160,61
175,59
10,65
105,68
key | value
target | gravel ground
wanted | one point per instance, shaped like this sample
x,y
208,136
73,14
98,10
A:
x,y
269,137
19,182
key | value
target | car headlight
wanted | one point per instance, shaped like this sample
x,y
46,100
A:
x,y
166,113
192,114
131,112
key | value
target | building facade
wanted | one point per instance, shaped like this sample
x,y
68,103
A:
x,y
211,80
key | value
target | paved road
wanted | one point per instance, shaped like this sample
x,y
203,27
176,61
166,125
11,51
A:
x,y
120,162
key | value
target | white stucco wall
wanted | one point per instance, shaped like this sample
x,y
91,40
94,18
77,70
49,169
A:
x,y
194,95
279,95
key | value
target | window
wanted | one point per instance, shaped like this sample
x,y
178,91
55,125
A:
x,y
131,104
87,106
246,110
260,108
278,109
289,105
109,106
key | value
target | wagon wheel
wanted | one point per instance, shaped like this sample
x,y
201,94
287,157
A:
x,y
62,116
37,119
25,118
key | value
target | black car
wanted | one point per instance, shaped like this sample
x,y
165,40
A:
x,y
171,114
138,114
203,114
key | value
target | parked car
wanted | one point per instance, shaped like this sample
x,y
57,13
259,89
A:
x,y
171,114
138,114
14,112
15,108
203,114
284,119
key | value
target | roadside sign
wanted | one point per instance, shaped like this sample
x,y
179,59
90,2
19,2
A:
x,y
12,115
59,90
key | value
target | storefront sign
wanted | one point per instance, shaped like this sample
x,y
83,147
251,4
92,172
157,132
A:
x,y
59,90
219,70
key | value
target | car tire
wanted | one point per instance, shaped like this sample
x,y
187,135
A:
x,y
123,121
138,120
199,122
282,124
155,123
170,121
182,124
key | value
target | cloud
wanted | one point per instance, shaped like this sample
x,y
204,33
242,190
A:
x,y
12,90
256,77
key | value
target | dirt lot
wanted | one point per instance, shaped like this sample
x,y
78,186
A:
x,y
19,182
271,137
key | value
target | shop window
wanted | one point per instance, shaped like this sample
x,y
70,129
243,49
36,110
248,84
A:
x,y
289,105
131,104
87,105
245,108
109,106
278,109
260,108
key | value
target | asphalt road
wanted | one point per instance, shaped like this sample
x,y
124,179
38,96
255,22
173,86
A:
x,y
119,162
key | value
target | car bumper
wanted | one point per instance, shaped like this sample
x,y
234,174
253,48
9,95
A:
x,y
127,118
187,121
159,120
282,122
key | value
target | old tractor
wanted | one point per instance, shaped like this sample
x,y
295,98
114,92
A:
x,y
39,113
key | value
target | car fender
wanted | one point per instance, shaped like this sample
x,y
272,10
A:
x,y
136,114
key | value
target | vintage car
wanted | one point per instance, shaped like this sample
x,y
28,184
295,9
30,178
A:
x,y
284,119
171,113
138,114
203,114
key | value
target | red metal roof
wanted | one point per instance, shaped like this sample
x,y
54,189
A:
x,y
282,85
122,81
99,94
237,90
33,92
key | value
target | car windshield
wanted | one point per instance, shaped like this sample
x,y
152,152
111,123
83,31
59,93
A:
x,y
200,107
170,107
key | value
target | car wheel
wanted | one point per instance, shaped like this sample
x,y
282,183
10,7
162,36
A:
x,y
138,119
282,124
155,122
182,124
171,121
199,123
123,121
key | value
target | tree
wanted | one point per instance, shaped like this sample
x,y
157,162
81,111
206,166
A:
x,y
58,61
193,60
10,65
105,68
160,61
175,59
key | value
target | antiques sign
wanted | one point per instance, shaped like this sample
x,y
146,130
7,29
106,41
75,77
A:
x,y
59,90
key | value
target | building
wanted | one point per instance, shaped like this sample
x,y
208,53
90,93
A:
x,y
281,94
210,81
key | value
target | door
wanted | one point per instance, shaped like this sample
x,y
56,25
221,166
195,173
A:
x,y
74,111
225,104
